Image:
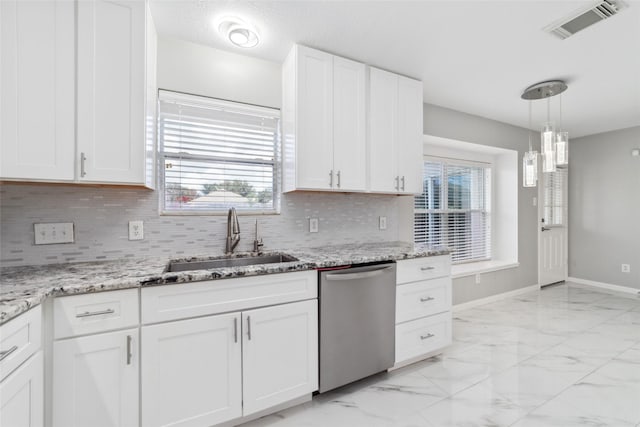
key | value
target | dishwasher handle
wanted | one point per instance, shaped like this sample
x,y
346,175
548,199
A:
x,y
355,276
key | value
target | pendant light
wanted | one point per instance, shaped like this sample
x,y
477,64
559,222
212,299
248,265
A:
x,y
530,162
554,144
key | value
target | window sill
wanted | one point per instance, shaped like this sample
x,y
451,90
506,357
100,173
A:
x,y
472,268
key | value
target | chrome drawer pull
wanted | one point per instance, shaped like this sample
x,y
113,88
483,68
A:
x,y
427,268
249,327
129,355
424,337
96,313
235,329
426,299
4,354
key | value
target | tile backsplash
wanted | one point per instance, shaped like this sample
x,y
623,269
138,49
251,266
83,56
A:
x,y
101,216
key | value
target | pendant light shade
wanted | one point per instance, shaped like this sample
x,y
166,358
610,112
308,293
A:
x,y
530,169
562,148
554,142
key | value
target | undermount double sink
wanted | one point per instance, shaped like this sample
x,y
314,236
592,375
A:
x,y
200,264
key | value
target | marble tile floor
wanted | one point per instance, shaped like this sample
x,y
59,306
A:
x,y
568,355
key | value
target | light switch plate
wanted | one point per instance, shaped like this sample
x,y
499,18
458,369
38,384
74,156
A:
x,y
626,268
136,230
382,223
313,225
53,233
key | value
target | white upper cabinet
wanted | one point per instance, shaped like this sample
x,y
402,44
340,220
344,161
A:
x,y
383,123
349,125
395,133
409,143
323,122
78,115
37,72
111,91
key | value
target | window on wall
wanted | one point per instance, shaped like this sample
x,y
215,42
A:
x,y
217,154
454,208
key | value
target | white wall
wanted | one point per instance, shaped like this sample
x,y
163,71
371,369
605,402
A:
x,y
202,70
447,123
604,207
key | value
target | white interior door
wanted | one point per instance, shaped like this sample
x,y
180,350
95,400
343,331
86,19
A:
x,y
552,230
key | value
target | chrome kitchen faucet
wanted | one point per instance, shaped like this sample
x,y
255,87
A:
x,y
233,231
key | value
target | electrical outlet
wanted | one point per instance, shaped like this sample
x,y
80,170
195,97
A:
x,y
626,268
313,225
382,222
136,230
535,201
53,233
477,279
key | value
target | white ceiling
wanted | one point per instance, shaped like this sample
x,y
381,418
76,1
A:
x,y
473,56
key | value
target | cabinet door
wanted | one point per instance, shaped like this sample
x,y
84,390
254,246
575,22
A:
x,y
383,124
314,83
37,139
280,354
191,372
95,380
111,91
349,126
409,147
21,395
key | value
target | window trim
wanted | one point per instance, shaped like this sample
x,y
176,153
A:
x,y
236,106
447,160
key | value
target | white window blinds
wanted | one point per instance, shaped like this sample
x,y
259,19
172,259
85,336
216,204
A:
x,y
454,209
217,154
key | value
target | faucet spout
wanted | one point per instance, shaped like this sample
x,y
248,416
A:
x,y
233,231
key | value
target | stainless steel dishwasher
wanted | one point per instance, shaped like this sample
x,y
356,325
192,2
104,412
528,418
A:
x,y
357,323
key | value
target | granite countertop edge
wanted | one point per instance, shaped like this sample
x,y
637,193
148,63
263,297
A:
x,y
26,287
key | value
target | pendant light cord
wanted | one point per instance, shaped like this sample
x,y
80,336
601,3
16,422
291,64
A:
x,y
530,144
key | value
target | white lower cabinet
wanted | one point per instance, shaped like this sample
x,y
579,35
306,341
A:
x,y
279,354
21,395
191,372
208,370
95,380
423,308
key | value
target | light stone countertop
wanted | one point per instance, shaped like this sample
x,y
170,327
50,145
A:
x,y
22,288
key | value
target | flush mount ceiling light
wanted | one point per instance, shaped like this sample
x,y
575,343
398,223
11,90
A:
x,y
554,143
238,32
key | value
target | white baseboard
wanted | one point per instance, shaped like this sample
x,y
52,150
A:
x,y
494,298
608,286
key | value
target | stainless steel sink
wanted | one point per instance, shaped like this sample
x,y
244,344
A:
x,y
228,262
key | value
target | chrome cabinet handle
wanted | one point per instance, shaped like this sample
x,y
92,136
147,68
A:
x,y
83,158
96,313
331,178
426,299
6,353
338,185
397,183
249,327
354,276
402,182
235,329
424,337
129,355
427,268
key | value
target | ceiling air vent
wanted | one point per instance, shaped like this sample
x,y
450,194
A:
x,y
584,17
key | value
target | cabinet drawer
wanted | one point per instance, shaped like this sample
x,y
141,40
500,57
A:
x,y
162,303
92,313
422,336
413,270
421,299
19,339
